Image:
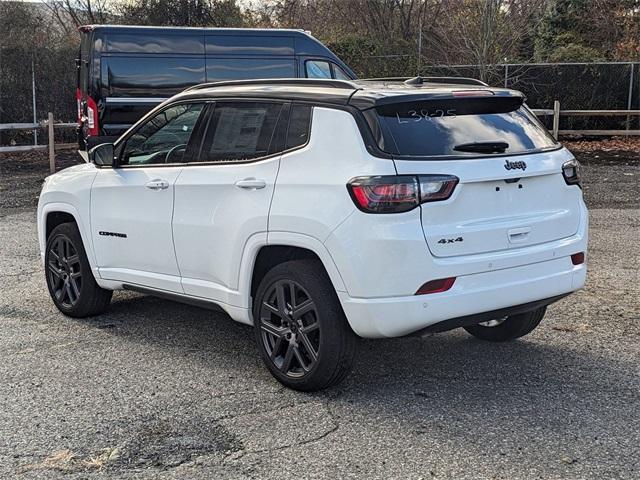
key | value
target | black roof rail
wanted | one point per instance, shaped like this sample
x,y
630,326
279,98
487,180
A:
x,y
314,82
422,80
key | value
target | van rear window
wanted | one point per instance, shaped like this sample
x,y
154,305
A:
x,y
460,127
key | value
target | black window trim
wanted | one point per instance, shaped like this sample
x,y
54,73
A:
x,y
122,141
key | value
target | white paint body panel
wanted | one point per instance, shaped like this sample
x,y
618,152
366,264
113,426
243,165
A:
x,y
122,204
213,221
200,237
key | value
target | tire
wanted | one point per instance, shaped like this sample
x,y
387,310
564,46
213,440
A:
x,y
510,328
290,333
70,281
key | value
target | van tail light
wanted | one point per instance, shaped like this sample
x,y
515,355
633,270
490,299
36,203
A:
x,y
92,117
577,258
571,172
399,193
436,286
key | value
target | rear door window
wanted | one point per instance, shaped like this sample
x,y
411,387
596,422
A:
x,y
240,131
459,127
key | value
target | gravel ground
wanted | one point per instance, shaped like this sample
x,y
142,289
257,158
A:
x,y
154,389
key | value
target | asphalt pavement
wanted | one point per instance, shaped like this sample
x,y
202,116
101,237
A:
x,y
155,389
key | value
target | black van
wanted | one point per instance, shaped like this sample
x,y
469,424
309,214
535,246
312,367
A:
x,y
124,71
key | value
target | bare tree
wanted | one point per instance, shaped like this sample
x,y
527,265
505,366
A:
x,y
484,33
74,13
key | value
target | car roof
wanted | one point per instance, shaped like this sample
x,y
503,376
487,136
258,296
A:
x,y
362,94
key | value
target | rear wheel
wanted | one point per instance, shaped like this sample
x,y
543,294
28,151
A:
x,y
507,328
302,333
69,278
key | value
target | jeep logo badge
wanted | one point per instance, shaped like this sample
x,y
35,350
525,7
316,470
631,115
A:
x,y
515,165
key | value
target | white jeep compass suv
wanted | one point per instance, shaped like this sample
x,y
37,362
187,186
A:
x,y
323,210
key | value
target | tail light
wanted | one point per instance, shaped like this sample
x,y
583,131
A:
x,y
571,172
399,193
436,286
92,117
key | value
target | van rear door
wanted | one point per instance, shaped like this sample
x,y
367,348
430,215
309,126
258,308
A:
x,y
511,191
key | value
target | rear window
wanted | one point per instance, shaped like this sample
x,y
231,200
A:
x,y
446,127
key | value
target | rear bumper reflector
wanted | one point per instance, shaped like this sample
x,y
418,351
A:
x,y
577,258
436,286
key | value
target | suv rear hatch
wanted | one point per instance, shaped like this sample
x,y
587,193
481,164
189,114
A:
x,y
511,191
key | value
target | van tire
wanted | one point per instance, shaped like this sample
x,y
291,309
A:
x,y
333,341
90,299
512,327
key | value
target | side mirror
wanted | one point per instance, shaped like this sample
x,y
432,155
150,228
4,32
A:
x,y
102,155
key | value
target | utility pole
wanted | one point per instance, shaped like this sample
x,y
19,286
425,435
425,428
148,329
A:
x,y
419,45
33,93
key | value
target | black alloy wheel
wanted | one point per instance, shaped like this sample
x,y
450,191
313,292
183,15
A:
x,y
290,330
70,280
302,333
64,271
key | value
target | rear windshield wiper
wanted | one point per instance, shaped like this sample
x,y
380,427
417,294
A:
x,y
482,147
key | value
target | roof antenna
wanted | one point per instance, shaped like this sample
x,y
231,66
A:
x,y
414,81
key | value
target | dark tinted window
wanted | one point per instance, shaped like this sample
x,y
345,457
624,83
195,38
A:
x,y
240,131
249,45
149,76
299,123
163,138
437,127
154,42
243,68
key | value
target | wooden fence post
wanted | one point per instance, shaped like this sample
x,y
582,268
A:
x,y
52,144
556,118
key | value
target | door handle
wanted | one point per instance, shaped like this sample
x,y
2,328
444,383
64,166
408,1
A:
x,y
157,184
251,183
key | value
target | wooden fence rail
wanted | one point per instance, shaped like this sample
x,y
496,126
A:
x,y
51,126
556,113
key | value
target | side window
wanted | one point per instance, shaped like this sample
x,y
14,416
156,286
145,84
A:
x,y
318,69
240,131
339,73
163,138
299,123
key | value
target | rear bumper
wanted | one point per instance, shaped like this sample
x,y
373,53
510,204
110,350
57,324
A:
x,y
470,295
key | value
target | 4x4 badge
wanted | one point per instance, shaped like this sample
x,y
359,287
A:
x,y
451,240
515,165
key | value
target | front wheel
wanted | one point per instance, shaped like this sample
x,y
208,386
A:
x,y
302,333
507,328
69,277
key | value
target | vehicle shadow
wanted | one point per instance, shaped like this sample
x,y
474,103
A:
x,y
420,367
